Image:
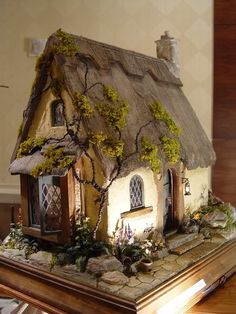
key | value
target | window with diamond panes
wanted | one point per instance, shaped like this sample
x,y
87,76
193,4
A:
x,y
136,192
45,204
50,200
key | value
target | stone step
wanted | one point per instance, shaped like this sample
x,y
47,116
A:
x,y
180,250
179,239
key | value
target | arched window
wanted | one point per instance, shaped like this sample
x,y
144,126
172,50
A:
x,y
136,192
57,112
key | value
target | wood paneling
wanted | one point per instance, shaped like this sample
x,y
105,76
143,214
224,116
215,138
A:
x,y
224,110
225,81
224,171
225,12
8,214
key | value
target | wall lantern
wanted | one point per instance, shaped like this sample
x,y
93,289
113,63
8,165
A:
x,y
186,183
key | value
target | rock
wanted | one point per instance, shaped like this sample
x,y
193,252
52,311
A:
x,y
185,260
13,253
109,288
180,250
145,278
234,213
130,292
191,228
145,287
41,257
133,282
206,232
156,237
171,266
178,239
156,283
158,263
227,234
215,219
170,258
115,278
163,274
103,264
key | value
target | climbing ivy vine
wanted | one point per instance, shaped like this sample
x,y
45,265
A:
x,y
54,157
110,141
67,45
28,145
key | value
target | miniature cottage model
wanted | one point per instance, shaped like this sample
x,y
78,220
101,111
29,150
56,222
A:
x,y
97,118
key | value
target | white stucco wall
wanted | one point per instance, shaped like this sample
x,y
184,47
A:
x,y
199,184
119,202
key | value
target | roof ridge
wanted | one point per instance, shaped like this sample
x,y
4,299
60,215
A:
x,y
112,47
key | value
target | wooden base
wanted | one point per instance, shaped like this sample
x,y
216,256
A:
x,y
55,294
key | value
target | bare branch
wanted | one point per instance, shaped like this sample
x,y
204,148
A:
x,y
88,182
139,132
100,212
92,86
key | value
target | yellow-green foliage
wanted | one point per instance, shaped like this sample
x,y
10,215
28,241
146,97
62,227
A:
x,y
56,87
82,105
67,45
97,138
110,94
159,113
53,158
114,117
110,146
27,146
171,148
149,153
113,114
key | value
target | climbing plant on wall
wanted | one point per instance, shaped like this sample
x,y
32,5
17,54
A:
x,y
113,110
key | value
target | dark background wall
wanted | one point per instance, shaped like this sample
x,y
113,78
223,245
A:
x,y
8,214
224,109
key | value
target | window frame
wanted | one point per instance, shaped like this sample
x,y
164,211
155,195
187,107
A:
x,y
68,208
136,176
53,105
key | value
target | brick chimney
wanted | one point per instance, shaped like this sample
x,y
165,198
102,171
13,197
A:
x,y
167,48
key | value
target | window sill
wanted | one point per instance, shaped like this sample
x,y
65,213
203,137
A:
x,y
35,232
137,212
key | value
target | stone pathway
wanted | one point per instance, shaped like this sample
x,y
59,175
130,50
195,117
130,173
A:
x,y
179,239
162,270
115,282
187,246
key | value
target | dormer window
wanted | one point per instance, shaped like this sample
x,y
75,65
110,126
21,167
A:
x,y
136,192
57,113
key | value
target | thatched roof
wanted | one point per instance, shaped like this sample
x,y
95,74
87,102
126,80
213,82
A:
x,y
26,164
140,80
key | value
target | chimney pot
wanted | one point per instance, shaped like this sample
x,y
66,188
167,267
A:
x,y
167,48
